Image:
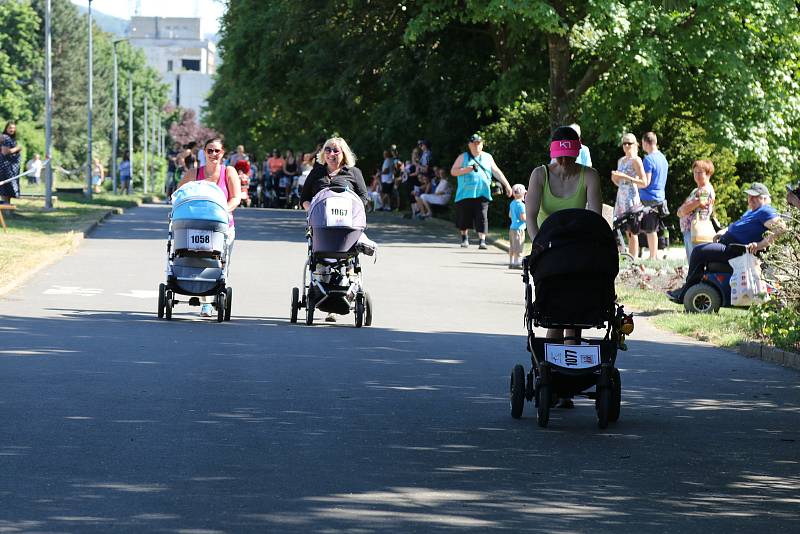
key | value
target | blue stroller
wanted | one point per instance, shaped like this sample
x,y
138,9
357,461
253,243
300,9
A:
x,y
198,250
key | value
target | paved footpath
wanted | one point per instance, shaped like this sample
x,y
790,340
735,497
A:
x,y
114,421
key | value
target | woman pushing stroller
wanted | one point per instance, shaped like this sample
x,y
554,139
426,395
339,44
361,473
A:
x,y
335,165
227,179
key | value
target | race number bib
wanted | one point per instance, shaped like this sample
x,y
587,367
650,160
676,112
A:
x,y
338,212
572,356
198,240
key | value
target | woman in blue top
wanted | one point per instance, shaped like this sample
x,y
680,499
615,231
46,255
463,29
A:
x,y
749,230
474,170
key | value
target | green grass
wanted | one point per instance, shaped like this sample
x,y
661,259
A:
x,y
727,328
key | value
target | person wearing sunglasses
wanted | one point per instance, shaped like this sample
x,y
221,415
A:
x,y
335,166
628,178
227,179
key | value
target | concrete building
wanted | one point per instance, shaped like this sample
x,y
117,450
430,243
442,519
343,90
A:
x,y
175,48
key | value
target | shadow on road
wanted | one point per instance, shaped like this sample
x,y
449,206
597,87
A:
x,y
258,425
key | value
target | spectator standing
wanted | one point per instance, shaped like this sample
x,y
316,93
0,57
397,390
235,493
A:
x,y
9,162
793,196
125,173
655,170
699,205
238,156
628,178
474,170
425,167
172,170
98,175
34,166
516,232
387,180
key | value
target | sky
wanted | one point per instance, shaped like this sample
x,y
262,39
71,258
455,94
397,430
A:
x,y
209,11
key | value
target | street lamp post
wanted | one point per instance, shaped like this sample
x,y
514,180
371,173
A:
x,y
145,143
130,127
115,131
91,97
48,106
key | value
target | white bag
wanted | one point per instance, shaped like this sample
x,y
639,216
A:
x,y
747,287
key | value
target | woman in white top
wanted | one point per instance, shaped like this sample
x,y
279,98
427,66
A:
x,y
629,177
440,196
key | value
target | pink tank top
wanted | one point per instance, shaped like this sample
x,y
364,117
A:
x,y
222,183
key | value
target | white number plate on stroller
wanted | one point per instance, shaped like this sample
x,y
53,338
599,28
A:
x,y
199,239
572,356
338,212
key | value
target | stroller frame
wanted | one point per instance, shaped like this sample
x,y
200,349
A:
x,y
576,369
318,293
167,292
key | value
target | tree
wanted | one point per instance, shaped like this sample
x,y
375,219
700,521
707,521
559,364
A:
x,y
20,59
187,130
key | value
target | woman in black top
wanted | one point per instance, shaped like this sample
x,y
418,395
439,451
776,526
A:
x,y
335,166
9,162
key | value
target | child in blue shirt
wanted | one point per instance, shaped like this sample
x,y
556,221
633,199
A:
x,y
516,232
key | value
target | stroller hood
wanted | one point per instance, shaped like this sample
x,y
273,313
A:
x,y
200,200
337,208
574,242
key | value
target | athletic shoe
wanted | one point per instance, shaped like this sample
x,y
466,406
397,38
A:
x,y
330,318
464,242
675,295
482,245
206,310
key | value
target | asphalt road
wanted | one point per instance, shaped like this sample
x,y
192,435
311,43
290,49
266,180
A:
x,y
114,421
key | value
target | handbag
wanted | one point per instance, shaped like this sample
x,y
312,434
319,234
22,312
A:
x,y
702,229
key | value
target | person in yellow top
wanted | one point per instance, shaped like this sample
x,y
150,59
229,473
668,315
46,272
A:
x,y
562,184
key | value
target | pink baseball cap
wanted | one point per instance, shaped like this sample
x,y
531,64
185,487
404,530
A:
x,y
567,147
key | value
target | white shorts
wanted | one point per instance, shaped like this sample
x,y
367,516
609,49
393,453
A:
x,y
440,200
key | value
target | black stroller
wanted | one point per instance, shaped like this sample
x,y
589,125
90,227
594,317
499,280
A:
x,y
332,278
573,264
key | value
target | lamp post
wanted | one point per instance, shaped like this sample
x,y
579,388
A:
x,y
130,127
145,143
115,132
48,106
91,97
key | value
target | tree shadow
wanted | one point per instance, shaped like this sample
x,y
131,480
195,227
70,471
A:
x,y
260,425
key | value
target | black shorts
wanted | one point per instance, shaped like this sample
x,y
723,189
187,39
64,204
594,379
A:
x,y
387,188
650,221
473,213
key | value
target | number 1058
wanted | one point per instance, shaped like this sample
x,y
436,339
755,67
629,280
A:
x,y
200,239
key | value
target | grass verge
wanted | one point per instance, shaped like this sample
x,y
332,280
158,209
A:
x,y
36,236
727,328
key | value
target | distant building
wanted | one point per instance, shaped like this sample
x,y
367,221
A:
x,y
175,48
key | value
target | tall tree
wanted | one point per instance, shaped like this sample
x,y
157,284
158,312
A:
x,y
20,59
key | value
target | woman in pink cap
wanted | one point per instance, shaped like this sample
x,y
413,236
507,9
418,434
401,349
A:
x,y
562,184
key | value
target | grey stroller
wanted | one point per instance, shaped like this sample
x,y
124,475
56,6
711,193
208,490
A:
x,y
332,279
197,250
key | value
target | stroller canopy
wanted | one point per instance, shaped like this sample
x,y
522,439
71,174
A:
x,y
574,242
200,200
336,207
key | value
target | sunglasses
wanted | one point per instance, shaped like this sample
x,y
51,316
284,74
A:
x,y
330,150
213,151
627,143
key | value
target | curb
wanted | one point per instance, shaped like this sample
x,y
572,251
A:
x,y
769,354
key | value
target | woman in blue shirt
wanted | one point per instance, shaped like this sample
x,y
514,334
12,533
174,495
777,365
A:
x,y
749,230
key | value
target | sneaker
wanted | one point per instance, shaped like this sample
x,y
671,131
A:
x,y
330,318
464,242
206,310
566,403
482,245
675,295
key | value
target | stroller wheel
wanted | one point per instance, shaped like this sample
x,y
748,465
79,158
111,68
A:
x,y
616,396
543,399
162,300
222,300
168,303
359,311
228,302
367,309
295,305
517,393
603,406
309,313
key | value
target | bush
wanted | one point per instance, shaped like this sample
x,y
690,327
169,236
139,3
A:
x,y
778,320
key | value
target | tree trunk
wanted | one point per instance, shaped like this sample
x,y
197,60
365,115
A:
x,y
559,54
